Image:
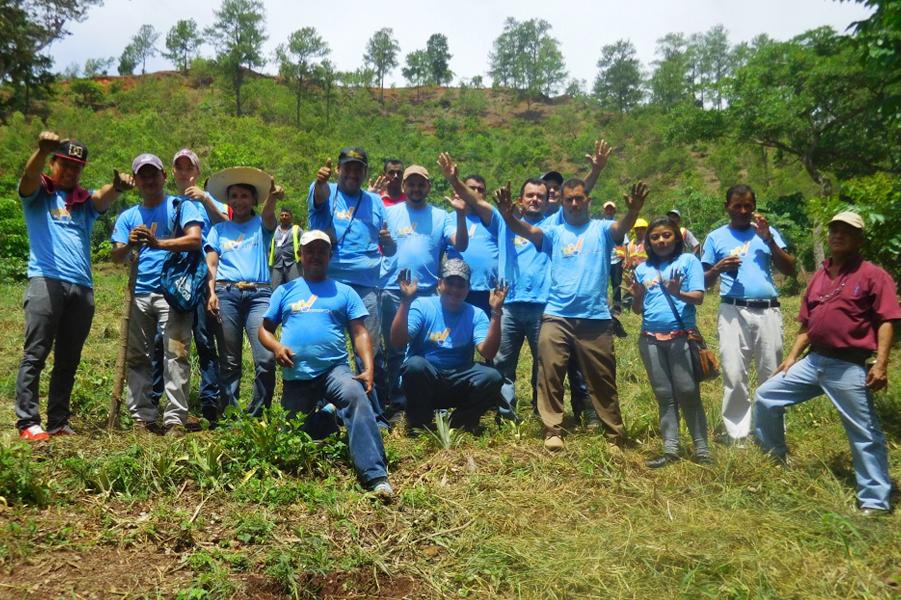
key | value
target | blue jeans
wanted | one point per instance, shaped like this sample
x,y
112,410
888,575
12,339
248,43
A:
x,y
373,324
354,408
243,310
58,315
521,322
471,390
394,357
845,385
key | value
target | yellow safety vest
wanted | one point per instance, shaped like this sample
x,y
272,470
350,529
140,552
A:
x,y
295,231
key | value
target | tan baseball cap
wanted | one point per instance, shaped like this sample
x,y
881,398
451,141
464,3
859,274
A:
x,y
851,218
417,170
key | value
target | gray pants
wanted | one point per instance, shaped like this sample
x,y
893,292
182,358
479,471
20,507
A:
x,y
56,312
146,311
284,274
668,364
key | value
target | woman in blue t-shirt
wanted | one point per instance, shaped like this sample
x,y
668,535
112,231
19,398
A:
x,y
670,282
238,260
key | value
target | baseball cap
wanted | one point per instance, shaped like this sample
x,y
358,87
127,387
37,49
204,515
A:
x,y
416,170
609,203
553,176
353,155
851,218
191,156
147,159
72,150
313,235
674,212
455,267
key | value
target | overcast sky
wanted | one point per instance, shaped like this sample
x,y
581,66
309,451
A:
x,y
471,26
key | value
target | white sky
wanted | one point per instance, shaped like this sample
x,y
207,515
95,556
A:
x,y
581,26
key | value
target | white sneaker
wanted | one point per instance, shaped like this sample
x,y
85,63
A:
x,y
62,430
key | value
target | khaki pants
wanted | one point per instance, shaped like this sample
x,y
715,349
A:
x,y
592,343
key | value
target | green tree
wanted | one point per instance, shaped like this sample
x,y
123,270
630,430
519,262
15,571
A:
x,y
182,42
670,84
879,40
526,58
98,66
238,35
327,74
418,71
144,45
381,55
619,82
296,61
438,58
128,60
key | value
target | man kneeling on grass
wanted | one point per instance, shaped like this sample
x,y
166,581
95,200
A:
x,y
442,331
314,312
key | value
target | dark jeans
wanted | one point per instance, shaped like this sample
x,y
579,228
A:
x,y
355,410
479,299
373,324
616,280
208,359
56,313
389,304
471,390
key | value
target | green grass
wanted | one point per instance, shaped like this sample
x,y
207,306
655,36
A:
x,y
259,514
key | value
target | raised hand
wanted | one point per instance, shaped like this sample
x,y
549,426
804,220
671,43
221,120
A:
x,y
674,284
380,185
497,296
324,173
408,287
762,225
602,152
639,194
504,200
48,142
457,202
385,238
122,181
634,286
193,191
276,191
448,167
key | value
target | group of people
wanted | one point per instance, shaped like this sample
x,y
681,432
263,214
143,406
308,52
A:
x,y
419,290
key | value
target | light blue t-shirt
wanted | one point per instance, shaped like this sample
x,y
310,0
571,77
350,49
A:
x,y
755,275
243,250
482,253
356,258
59,239
161,221
657,316
314,317
523,264
445,339
580,269
421,236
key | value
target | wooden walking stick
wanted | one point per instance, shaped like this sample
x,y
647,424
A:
x,y
119,374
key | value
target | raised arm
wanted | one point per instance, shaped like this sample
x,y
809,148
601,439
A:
x,y
489,346
460,239
452,174
321,192
193,192
504,201
267,213
400,332
634,203
102,198
781,259
48,142
598,161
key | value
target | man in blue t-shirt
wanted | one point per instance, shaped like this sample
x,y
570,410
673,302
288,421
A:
x,y
59,299
422,232
314,312
741,255
443,332
355,221
577,318
148,229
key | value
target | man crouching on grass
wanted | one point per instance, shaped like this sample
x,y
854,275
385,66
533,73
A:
x,y
314,312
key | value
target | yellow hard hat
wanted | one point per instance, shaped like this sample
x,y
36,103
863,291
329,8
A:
x,y
640,223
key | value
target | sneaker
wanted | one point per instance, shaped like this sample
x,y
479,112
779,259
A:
x,y
554,443
703,459
35,433
592,421
175,431
150,427
661,461
383,490
873,512
62,430
211,414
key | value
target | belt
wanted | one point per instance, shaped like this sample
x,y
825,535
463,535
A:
x,y
771,303
855,356
244,285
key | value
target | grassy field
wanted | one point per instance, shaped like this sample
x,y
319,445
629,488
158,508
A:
x,y
253,513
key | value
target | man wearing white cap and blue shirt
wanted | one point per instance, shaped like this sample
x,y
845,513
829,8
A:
x,y
315,312
148,228
848,313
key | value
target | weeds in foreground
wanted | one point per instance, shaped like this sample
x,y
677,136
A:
x,y
443,436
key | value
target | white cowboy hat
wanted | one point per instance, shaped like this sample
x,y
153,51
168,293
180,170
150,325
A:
x,y
218,183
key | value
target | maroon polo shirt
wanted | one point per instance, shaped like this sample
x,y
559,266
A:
x,y
846,313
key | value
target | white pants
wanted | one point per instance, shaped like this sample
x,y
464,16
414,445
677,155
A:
x,y
146,311
746,333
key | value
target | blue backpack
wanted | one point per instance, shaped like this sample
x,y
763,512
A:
x,y
183,276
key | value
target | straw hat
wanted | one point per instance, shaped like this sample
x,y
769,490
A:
x,y
218,183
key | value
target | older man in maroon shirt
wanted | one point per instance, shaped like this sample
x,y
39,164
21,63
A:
x,y
847,314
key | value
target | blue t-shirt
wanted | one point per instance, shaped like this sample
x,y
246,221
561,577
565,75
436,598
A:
x,y
482,253
523,264
755,275
421,236
445,339
59,239
314,317
657,316
356,258
161,221
243,250
580,269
